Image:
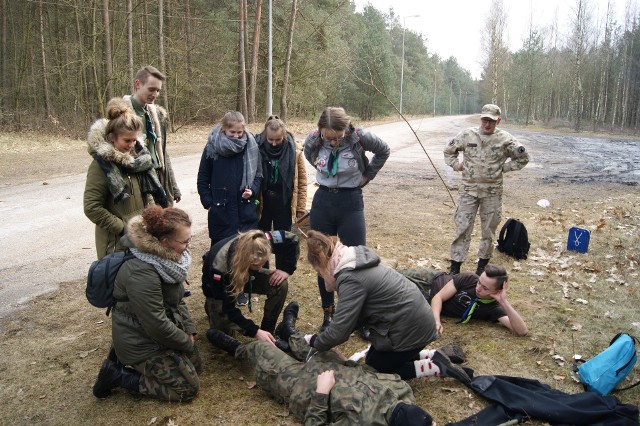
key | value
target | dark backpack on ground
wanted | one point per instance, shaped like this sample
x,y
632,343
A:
x,y
514,239
102,277
602,373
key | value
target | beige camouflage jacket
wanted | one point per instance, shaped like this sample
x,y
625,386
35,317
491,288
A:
x,y
485,159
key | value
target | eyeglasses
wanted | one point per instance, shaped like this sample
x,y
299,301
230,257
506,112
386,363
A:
x,y
337,139
186,243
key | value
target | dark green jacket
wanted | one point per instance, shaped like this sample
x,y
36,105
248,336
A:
x,y
150,316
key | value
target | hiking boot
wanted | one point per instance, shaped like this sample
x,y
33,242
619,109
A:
x,y
455,267
186,293
448,369
223,341
482,263
114,375
282,345
455,353
287,327
242,299
328,317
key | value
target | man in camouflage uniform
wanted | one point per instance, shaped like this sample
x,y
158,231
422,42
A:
x,y
486,153
326,389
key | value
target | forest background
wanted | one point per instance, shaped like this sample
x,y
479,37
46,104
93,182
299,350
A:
x,y
61,60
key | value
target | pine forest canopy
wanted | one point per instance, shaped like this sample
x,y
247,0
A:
x,y
61,60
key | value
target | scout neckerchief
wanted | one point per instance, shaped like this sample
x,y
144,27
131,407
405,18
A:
x,y
332,165
466,316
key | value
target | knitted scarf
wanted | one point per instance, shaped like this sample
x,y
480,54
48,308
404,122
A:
x,y
279,162
141,165
219,144
170,271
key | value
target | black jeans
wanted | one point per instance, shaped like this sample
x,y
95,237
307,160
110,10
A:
x,y
400,363
338,213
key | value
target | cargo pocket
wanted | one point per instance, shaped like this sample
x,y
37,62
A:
x,y
218,212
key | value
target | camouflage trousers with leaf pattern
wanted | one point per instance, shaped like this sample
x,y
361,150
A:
x,y
490,210
171,375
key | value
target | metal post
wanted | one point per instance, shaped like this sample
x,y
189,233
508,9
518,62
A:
x,y
270,73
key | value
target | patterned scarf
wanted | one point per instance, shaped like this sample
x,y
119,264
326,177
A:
x,y
279,162
141,165
170,271
219,144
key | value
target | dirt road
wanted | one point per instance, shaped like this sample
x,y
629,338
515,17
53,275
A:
x,y
45,238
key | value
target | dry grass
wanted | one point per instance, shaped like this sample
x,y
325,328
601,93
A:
x,y
52,348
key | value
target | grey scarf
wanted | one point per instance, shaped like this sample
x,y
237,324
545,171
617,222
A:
x,y
171,272
219,144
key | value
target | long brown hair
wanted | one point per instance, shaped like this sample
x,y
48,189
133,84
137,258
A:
x,y
334,118
252,248
320,248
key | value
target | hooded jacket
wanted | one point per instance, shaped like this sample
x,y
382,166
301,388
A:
x,y
99,205
150,316
380,299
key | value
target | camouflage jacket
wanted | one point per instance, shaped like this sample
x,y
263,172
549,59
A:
x,y
485,159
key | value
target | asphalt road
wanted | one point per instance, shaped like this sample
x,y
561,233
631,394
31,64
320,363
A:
x,y
45,239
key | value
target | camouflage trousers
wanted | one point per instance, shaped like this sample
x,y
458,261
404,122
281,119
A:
x,y
171,376
490,210
290,381
422,277
276,296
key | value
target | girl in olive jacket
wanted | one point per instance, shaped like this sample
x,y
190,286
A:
x,y
151,325
121,179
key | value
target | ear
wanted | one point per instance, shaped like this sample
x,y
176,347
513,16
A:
x,y
137,84
505,286
498,121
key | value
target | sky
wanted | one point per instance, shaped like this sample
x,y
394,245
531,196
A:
x,y
454,27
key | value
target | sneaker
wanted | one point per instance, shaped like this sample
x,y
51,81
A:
x,y
448,369
242,299
454,352
223,341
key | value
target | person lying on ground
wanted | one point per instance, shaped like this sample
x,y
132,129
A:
x,y
326,389
467,295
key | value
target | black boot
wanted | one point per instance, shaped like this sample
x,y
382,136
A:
x,y
448,369
287,327
365,333
114,375
223,341
481,265
455,267
328,317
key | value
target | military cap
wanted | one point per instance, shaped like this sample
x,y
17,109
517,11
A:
x,y
490,111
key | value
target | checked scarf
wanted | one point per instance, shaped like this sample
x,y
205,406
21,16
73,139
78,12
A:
x,y
171,272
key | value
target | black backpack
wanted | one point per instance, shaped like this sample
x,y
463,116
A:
x,y
514,239
102,277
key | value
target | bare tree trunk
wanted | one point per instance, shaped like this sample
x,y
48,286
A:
x,y
189,36
163,62
94,61
108,69
82,87
242,82
287,62
130,42
4,79
494,46
253,75
45,78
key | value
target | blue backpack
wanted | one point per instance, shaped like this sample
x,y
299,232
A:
x,y
602,373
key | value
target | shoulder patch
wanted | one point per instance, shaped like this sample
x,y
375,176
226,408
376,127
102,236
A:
x,y
453,141
276,237
315,133
521,149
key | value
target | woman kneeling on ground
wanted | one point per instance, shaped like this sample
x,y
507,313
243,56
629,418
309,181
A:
x,y
381,300
152,330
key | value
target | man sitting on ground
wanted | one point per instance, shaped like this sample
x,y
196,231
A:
x,y
468,295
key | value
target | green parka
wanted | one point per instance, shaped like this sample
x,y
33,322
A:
x,y
99,206
150,316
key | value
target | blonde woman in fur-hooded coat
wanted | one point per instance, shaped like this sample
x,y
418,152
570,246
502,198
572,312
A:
x,y
121,179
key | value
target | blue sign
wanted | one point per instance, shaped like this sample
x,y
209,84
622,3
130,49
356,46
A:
x,y
578,239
